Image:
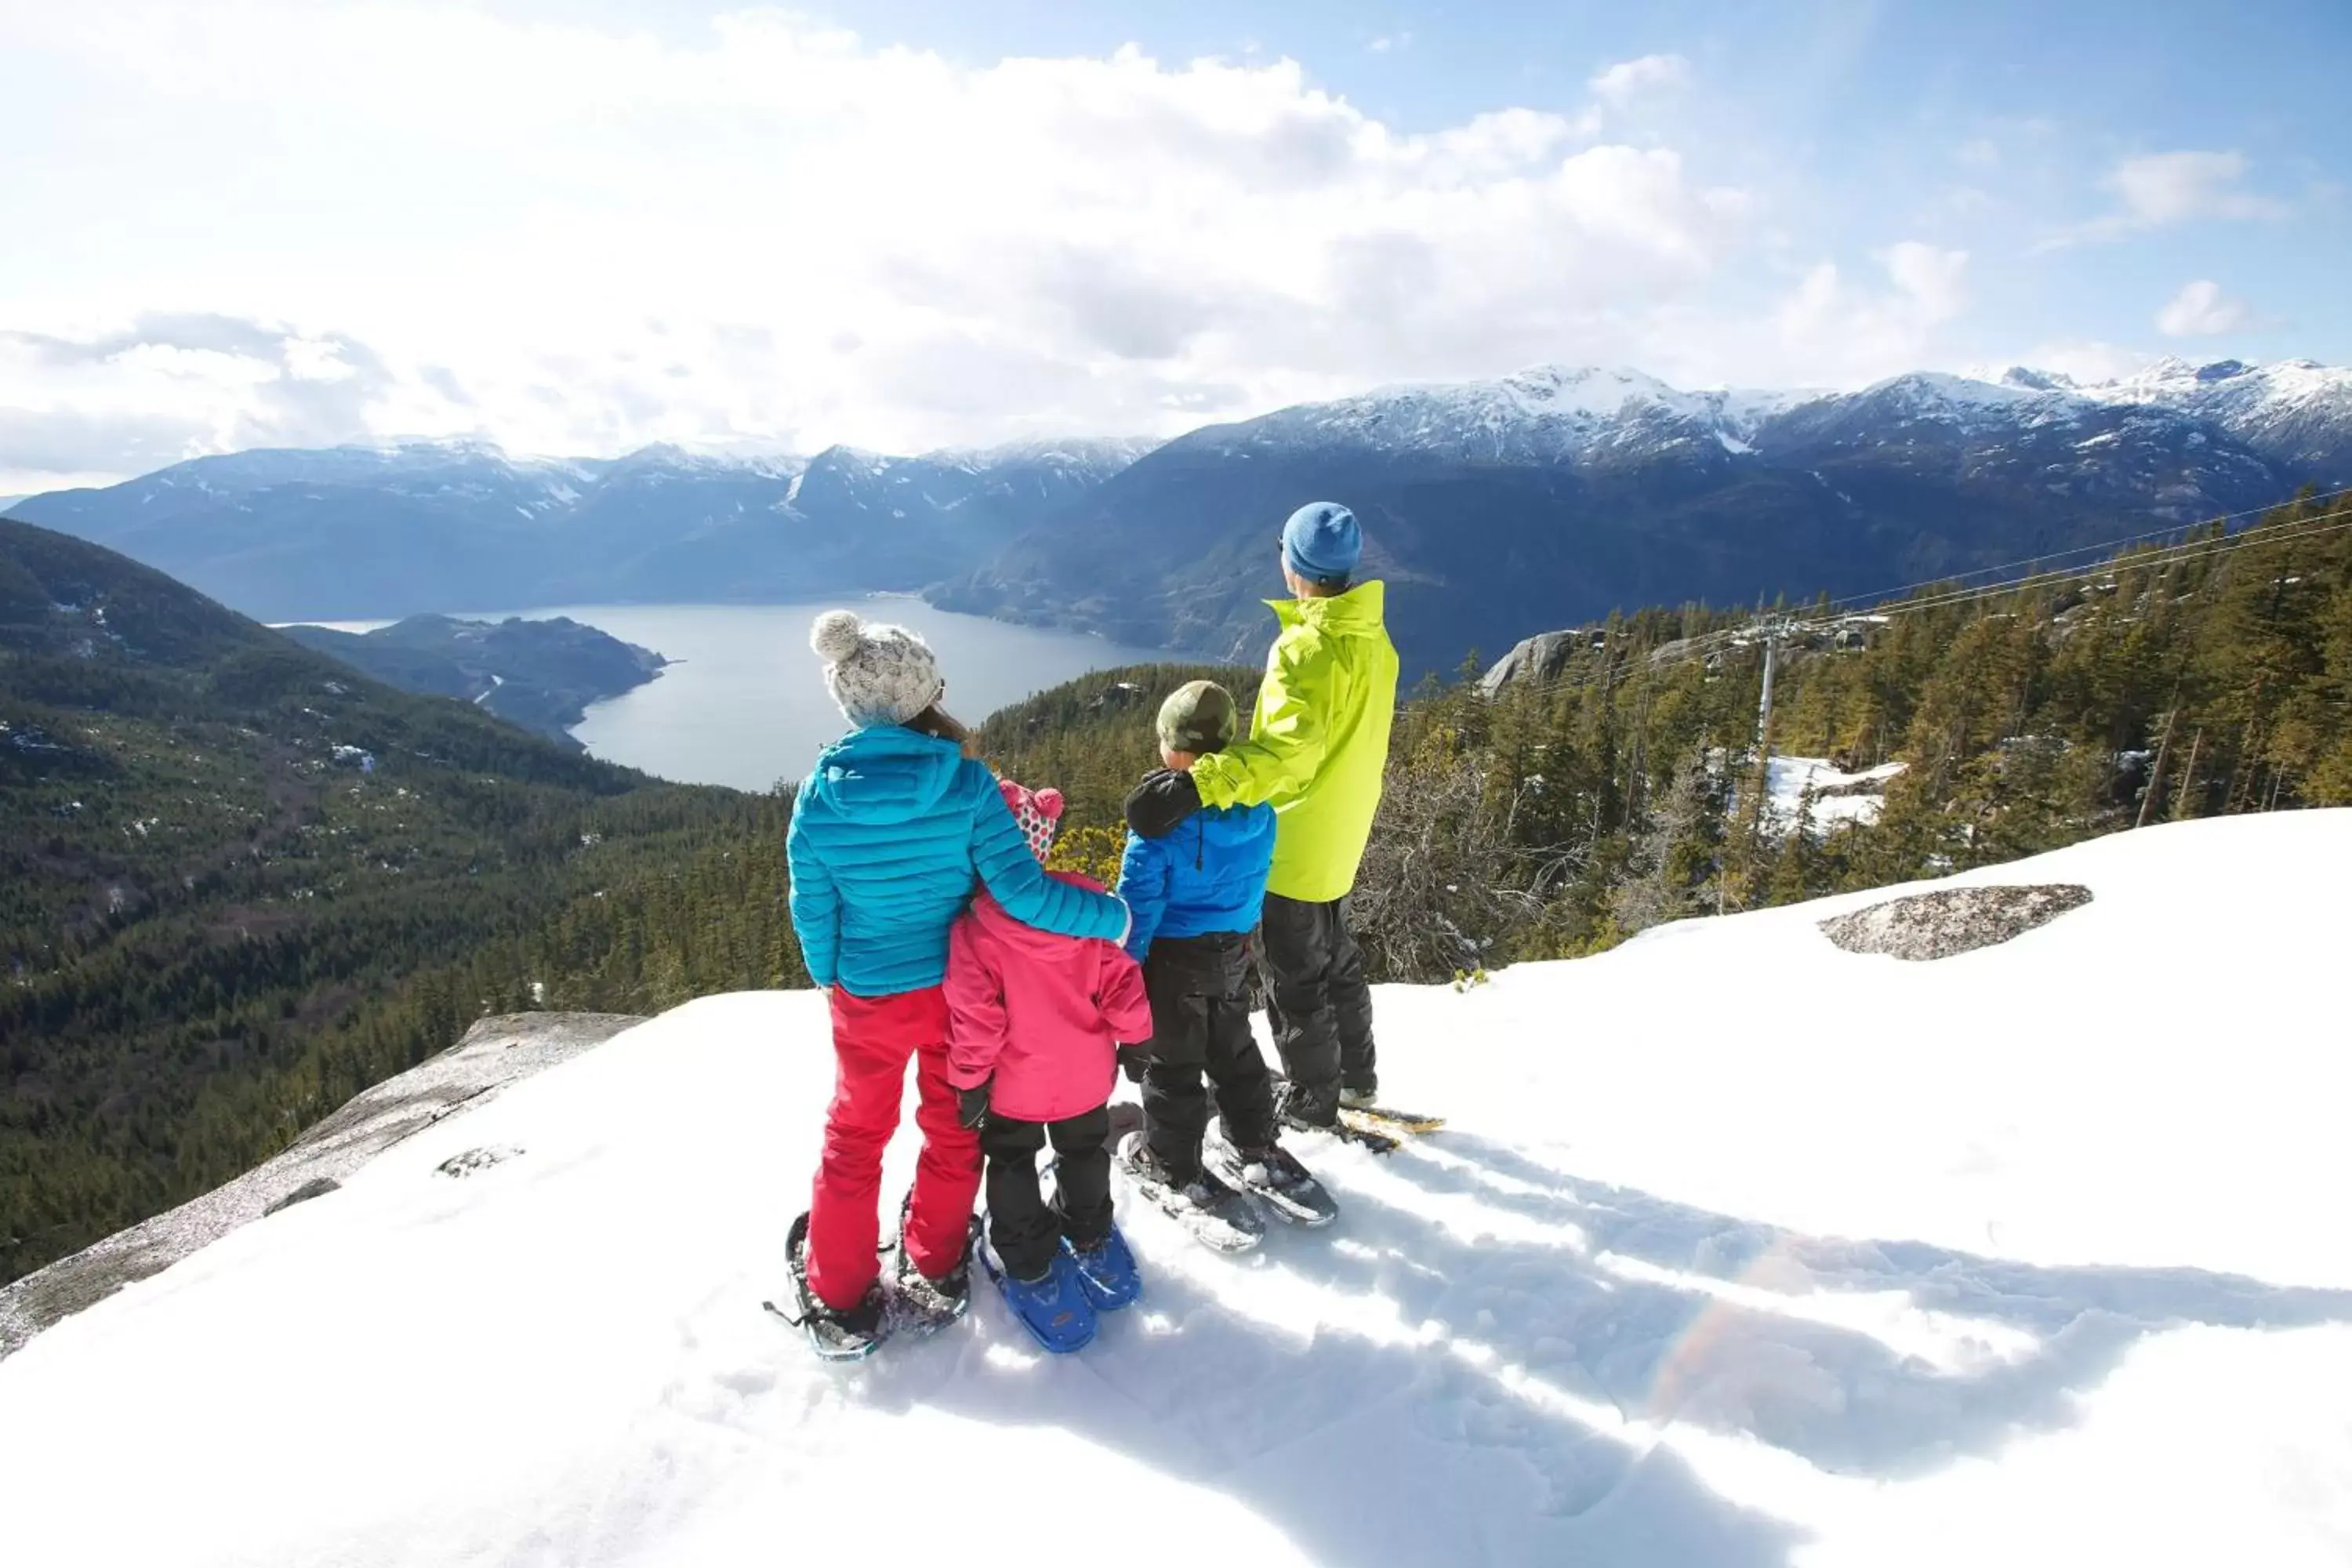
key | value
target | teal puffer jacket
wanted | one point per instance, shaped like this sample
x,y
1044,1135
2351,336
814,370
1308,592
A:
x,y
888,835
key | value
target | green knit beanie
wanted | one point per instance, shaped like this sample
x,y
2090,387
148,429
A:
x,y
1199,718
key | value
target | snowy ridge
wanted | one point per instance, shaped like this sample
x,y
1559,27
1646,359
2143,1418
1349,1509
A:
x,y
1545,414
1622,1312
1103,455
2296,410
1553,414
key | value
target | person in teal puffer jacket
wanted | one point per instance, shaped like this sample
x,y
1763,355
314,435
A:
x,y
888,835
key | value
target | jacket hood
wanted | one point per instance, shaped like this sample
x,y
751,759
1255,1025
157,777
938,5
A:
x,y
1360,610
887,773
1040,947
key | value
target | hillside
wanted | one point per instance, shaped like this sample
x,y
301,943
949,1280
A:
x,y
1904,1265
539,674
238,882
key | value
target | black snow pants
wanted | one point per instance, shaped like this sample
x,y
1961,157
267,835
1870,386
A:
x,y
1318,1006
1026,1230
1199,987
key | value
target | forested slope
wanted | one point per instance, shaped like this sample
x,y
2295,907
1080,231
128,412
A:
x,y
239,881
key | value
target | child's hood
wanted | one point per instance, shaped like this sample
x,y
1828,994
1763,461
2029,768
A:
x,y
997,921
887,773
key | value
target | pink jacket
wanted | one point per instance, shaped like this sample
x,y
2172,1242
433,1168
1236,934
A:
x,y
1040,1013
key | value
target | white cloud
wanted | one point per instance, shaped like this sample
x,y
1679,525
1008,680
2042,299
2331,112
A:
x,y
1389,41
1857,332
2172,187
2161,189
2200,310
770,234
1621,83
2086,361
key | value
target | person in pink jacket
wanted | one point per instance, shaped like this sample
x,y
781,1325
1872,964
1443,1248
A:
x,y
1034,1026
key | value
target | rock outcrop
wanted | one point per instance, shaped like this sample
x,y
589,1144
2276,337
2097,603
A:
x,y
495,1053
1952,919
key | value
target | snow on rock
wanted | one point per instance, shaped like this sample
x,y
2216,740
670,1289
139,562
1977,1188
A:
x,y
1952,920
1738,1250
1839,797
494,1053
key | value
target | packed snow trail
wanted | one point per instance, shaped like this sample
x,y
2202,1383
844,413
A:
x,y
2098,1307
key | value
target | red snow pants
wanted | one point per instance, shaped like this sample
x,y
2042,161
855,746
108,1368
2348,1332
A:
x,y
872,1040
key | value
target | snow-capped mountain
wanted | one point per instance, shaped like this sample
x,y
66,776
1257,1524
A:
x,y
1501,508
1549,414
1984,1265
1506,508
386,531
2296,412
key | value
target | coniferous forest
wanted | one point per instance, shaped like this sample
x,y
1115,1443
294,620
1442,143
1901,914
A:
x,y
239,883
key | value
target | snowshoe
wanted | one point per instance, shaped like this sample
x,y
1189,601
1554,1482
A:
x,y
1107,1272
1209,1212
1054,1310
1362,1110
1359,1113
1274,1176
851,1335
921,1305
1364,1134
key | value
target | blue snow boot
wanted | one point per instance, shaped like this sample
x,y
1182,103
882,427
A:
x,y
1054,1310
1106,1270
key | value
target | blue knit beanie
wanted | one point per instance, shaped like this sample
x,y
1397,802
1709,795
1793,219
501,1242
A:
x,y
1322,542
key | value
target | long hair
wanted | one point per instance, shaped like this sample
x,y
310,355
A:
x,y
940,725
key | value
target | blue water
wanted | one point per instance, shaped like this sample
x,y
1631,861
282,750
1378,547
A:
x,y
747,705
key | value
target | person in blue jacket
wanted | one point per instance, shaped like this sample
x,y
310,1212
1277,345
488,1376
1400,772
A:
x,y
1195,896
887,837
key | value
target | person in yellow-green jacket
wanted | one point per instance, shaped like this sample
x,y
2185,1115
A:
x,y
1316,752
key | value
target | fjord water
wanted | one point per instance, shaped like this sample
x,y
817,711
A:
x,y
745,704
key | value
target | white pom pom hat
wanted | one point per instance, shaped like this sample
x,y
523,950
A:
x,y
877,674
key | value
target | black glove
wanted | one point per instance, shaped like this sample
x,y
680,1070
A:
x,y
1133,1059
1162,803
972,1105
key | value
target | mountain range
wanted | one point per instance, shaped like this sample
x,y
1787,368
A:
x,y
1497,508
387,531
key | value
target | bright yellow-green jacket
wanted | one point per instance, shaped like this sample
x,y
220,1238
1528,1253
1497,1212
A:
x,y
1319,742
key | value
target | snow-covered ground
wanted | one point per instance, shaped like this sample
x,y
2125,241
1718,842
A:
x,y
1741,1250
1839,797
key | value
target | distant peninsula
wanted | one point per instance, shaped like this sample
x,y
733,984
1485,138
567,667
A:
x,y
541,675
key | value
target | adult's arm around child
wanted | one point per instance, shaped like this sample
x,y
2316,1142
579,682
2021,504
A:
x,y
1011,872
1283,753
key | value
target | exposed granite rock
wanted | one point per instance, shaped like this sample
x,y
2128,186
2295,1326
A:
x,y
473,1160
495,1053
316,1188
1953,919
1539,659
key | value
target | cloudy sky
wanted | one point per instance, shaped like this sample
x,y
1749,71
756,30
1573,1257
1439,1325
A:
x,y
581,225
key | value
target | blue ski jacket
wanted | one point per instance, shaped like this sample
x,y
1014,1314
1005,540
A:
x,y
1207,876
888,836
